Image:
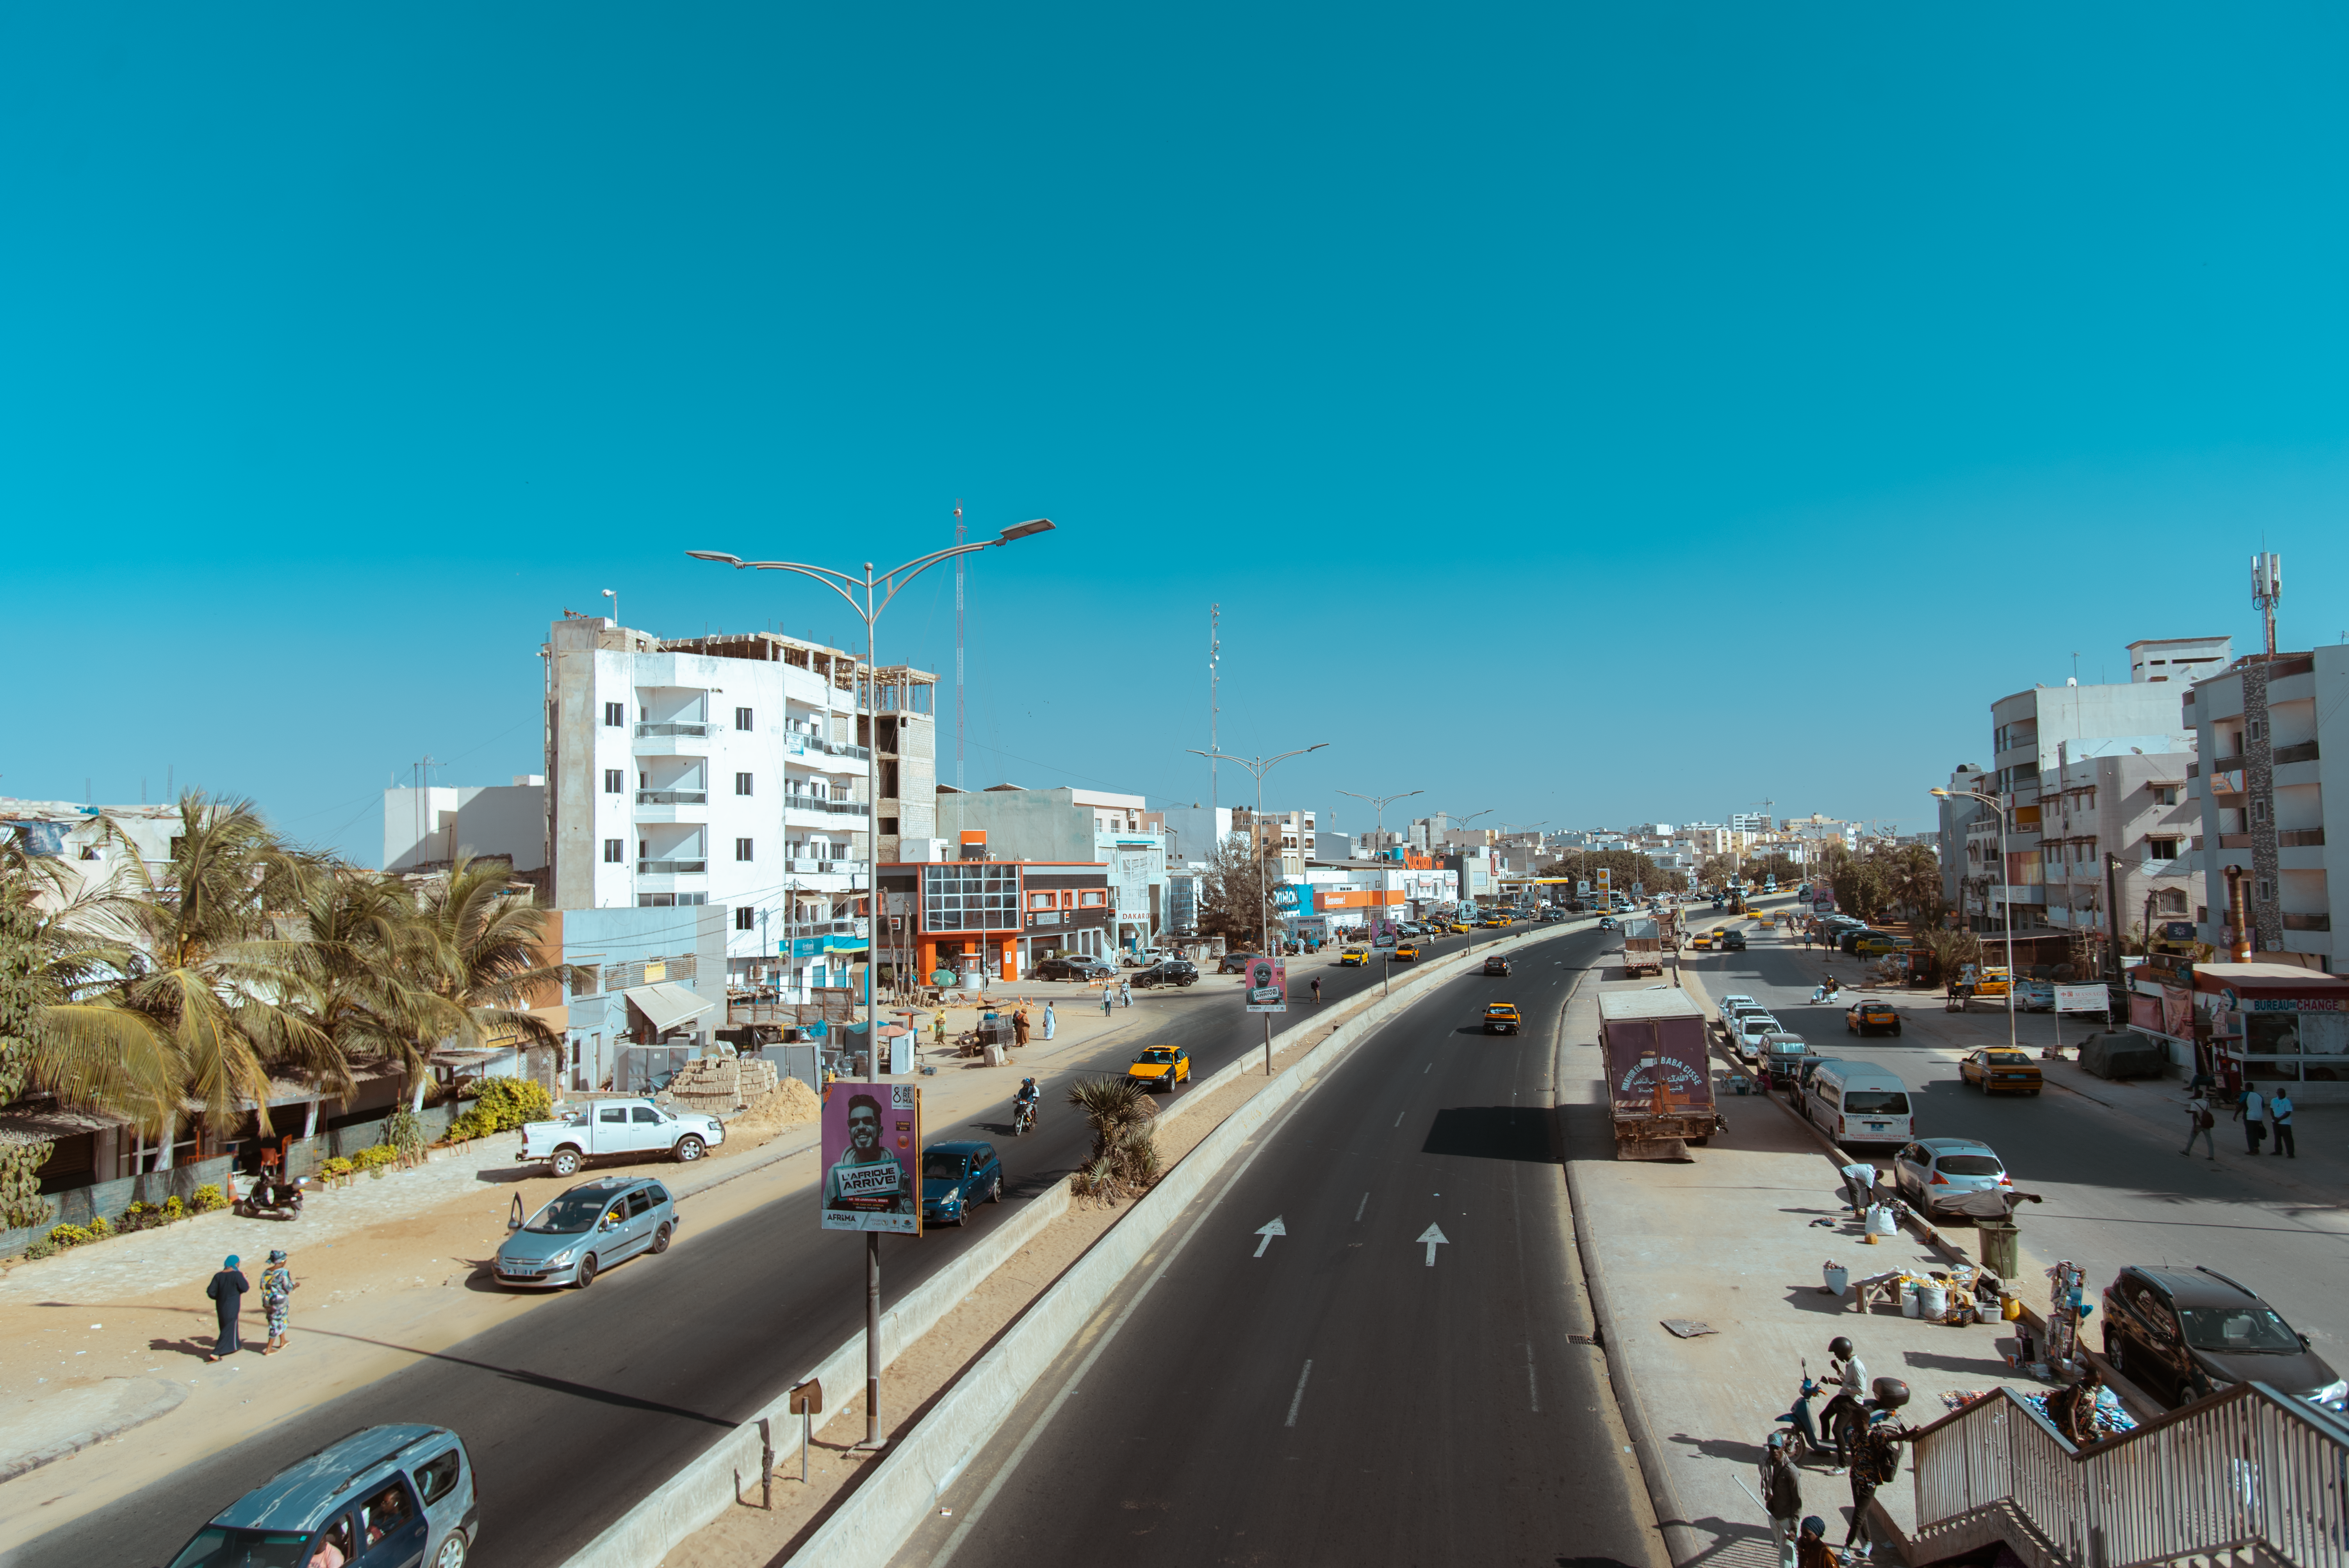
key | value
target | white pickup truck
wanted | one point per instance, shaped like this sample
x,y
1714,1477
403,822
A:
x,y
626,1127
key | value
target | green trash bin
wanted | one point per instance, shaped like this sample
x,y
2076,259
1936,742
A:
x,y
1999,1247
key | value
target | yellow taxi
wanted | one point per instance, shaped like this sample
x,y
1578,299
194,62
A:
x,y
1998,1070
1354,958
1160,1066
1408,950
1499,921
1462,927
1501,1018
1702,942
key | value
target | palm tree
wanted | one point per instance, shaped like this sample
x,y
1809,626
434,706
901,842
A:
x,y
1124,1157
480,961
364,943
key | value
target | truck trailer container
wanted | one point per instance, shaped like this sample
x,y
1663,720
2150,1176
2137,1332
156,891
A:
x,y
1643,947
1659,1075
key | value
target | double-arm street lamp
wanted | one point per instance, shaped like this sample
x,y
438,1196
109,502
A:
x,y
2006,905
1379,804
1258,767
876,594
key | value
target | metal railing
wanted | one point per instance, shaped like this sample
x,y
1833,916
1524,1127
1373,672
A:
x,y
2306,751
672,797
832,807
671,728
671,868
2249,1467
802,744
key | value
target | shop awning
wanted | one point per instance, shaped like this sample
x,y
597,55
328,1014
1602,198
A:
x,y
666,1004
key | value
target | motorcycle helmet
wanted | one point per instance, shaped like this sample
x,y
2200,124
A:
x,y
1891,1393
1839,1347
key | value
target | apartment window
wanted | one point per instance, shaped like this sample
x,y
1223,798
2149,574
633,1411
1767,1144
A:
x,y
615,715
2201,915
742,780
888,825
2265,891
2258,808
1042,901
615,781
2164,794
745,918
2255,730
2162,849
612,855
1091,899
741,848
742,721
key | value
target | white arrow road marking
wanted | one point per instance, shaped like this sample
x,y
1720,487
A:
x,y
1434,1238
1268,1232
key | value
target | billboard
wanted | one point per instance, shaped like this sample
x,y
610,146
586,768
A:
x,y
873,1157
2081,999
1266,979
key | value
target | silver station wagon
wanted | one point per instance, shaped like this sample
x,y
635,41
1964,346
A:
x,y
395,1495
586,1230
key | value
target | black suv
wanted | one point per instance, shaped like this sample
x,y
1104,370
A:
x,y
2182,1333
1063,966
1496,964
1731,941
1236,962
1167,972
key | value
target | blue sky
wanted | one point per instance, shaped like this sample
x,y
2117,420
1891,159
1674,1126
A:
x,y
1592,414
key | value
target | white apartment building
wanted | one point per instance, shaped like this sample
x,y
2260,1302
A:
x,y
430,829
731,769
2133,805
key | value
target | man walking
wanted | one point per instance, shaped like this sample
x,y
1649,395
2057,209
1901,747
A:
x,y
1020,1026
1782,1495
1317,987
1109,999
2279,1122
2199,1123
1050,1023
2251,1111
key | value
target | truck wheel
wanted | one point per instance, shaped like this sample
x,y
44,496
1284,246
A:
x,y
565,1163
586,1274
688,1150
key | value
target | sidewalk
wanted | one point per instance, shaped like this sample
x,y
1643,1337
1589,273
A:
x,y
1734,1240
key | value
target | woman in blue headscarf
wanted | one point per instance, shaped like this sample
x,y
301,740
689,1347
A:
x,y
227,1291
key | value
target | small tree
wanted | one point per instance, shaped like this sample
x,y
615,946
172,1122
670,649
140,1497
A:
x,y
1124,1158
1232,892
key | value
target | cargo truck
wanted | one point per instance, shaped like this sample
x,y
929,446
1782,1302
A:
x,y
1659,1077
1643,947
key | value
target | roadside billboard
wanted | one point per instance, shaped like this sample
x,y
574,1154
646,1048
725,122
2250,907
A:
x,y
2081,999
872,1157
1266,979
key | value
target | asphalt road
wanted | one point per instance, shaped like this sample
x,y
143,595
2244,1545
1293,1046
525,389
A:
x,y
577,1410
1328,1394
2115,1190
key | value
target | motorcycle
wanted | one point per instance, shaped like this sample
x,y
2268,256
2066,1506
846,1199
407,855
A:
x,y
1023,1117
1800,1419
273,1201
1830,992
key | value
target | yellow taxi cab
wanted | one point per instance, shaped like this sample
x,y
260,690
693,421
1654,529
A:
x,y
1990,981
1407,951
1499,921
1462,926
1160,1066
1702,942
1998,1070
1354,958
1501,1018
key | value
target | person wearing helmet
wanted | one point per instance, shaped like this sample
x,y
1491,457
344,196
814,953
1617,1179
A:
x,y
1024,1102
1844,1417
1876,1450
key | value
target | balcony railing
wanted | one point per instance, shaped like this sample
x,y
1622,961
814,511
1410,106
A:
x,y
672,729
2299,838
822,867
672,798
2307,922
671,868
2305,752
802,744
832,807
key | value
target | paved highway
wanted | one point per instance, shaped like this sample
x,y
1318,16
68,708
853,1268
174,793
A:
x,y
1391,1380
576,1412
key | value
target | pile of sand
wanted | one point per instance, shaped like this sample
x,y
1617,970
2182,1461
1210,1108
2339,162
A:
x,y
791,1104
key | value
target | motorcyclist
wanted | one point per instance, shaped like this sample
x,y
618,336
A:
x,y
1845,1370
1025,1100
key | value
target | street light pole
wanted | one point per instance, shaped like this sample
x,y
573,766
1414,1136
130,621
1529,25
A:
x,y
2006,905
1380,803
879,592
1259,767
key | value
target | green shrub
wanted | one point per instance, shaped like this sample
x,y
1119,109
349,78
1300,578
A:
x,y
470,1123
335,1169
174,1211
101,1227
403,1132
371,1159
144,1217
207,1198
41,1247
506,1103
68,1236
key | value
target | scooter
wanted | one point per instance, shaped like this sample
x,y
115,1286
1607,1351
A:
x,y
272,1200
1830,992
1804,1425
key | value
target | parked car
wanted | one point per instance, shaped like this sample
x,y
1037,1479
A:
x,y
1875,944
1167,972
1354,958
2034,996
1932,1169
2181,1334
1236,961
956,1178
606,1129
1729,1004
1996,1069
1731,941
1552,913
1160,1066
1496,964
1074,967
585,1230
1871,1018
1501,1018
409,1487
1751,1027
1460,927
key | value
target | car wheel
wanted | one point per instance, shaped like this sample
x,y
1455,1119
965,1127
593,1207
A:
x,y
565,1163
660,1239
453,1552
962,1217
586,1274
688,1150
1896,1028
2113,1344
994,1193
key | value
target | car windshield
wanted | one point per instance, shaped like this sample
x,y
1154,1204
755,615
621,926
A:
x,y
1874,1102
222,1546
1968,1165
2007,1059
1156,1055
2241,1330
946,1167
571,1214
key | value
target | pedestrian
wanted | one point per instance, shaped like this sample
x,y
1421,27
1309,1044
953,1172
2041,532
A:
x,y
2250,1109
227,1290
938,1028
1020,1026
1811,1548
1782,1495
1849,1374
277,1287
1859,1187
1317,987
2199,1123
1109,999
2279,1122
1050,1023
1125,993
1875,1460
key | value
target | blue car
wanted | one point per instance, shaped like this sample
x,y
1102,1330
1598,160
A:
x,y
392,1494
956,1178
585,1230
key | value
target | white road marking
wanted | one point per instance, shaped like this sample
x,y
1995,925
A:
x,y
1299,1397
1360,1207
1268,1232
1533,1390
1434,1238
1399,1116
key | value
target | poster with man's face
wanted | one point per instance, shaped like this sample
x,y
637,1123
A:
x,y
872,1150
1267,985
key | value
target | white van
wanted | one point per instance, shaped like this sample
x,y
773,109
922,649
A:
x,y
1859,1102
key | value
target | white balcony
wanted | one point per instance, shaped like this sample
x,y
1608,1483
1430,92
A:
x,y
816,811
673,739
672,806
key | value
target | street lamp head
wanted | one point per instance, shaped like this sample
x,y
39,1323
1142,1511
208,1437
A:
x,y
1022,530
1944,794
736,561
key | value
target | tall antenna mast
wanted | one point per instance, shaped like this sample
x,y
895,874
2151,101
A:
x,y
2267,588
1215,658
958,561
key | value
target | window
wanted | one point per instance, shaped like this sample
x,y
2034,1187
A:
x,y
745,918
642,1115
1092,898
741,783
970,895
742,721
2255,730
741,848
1042,901
613,1116
2164,794
437,1478
2162,849
612,852
2171,902
2260,804
615,715
2266,891
615,781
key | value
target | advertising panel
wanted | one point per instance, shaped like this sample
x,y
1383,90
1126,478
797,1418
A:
x,y
2081,999
1267,985
872,1157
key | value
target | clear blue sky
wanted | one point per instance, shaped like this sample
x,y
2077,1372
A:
x,y
1594,413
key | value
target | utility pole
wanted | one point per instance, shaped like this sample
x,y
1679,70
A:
x,y
2113,909
1260,765
958,580
1214,677
1381,802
